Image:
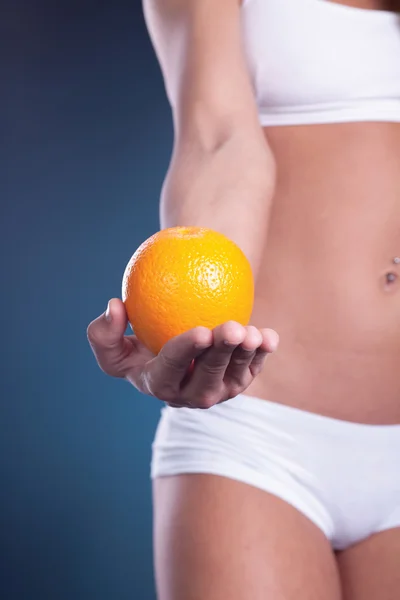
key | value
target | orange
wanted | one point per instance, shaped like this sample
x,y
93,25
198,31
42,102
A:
x,y
183,277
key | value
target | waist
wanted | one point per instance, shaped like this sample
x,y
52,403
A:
x,y
329,283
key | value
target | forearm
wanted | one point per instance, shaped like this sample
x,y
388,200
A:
x,y
228,189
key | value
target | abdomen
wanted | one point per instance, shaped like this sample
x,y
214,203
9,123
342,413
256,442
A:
x,y
325,283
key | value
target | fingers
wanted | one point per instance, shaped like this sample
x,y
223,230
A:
x,y
206,383
106,336
243,356
165,373
270,342
228,367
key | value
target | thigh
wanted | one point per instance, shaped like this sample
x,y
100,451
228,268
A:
x,y
370,570
216,538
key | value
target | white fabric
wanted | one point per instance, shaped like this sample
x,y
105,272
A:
x,y
343,476
313,61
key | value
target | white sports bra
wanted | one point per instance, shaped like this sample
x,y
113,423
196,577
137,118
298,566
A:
x,y
314,61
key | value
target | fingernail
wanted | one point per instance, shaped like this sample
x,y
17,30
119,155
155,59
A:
x,y
108,313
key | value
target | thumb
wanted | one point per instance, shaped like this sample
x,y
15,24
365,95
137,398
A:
x,y
106,334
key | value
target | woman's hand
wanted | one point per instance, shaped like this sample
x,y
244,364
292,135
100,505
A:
x,y
197,369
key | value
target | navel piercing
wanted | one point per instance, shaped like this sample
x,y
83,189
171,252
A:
x,y
396,260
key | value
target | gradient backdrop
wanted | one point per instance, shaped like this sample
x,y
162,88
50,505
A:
x,y
85,142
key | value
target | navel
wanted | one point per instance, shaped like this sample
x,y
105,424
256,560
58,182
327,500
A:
x,y
391,277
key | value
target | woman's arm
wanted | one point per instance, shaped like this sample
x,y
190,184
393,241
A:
x,y
221,176
222,172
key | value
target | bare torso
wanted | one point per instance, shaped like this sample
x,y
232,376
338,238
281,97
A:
x,y
333,235
329,283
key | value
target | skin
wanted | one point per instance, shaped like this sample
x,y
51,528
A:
x,y
226,359
320,231
324,289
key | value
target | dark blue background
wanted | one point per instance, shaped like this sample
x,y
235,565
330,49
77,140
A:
x,y
85,142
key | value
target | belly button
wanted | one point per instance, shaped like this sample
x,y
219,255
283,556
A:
x,y
390,282
390,278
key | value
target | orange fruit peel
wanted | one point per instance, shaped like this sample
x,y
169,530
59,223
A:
x,y
184,277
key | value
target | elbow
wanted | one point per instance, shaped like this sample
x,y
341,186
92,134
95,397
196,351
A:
x,y
241,171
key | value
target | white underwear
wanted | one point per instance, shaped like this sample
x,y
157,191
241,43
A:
x,y
343,476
